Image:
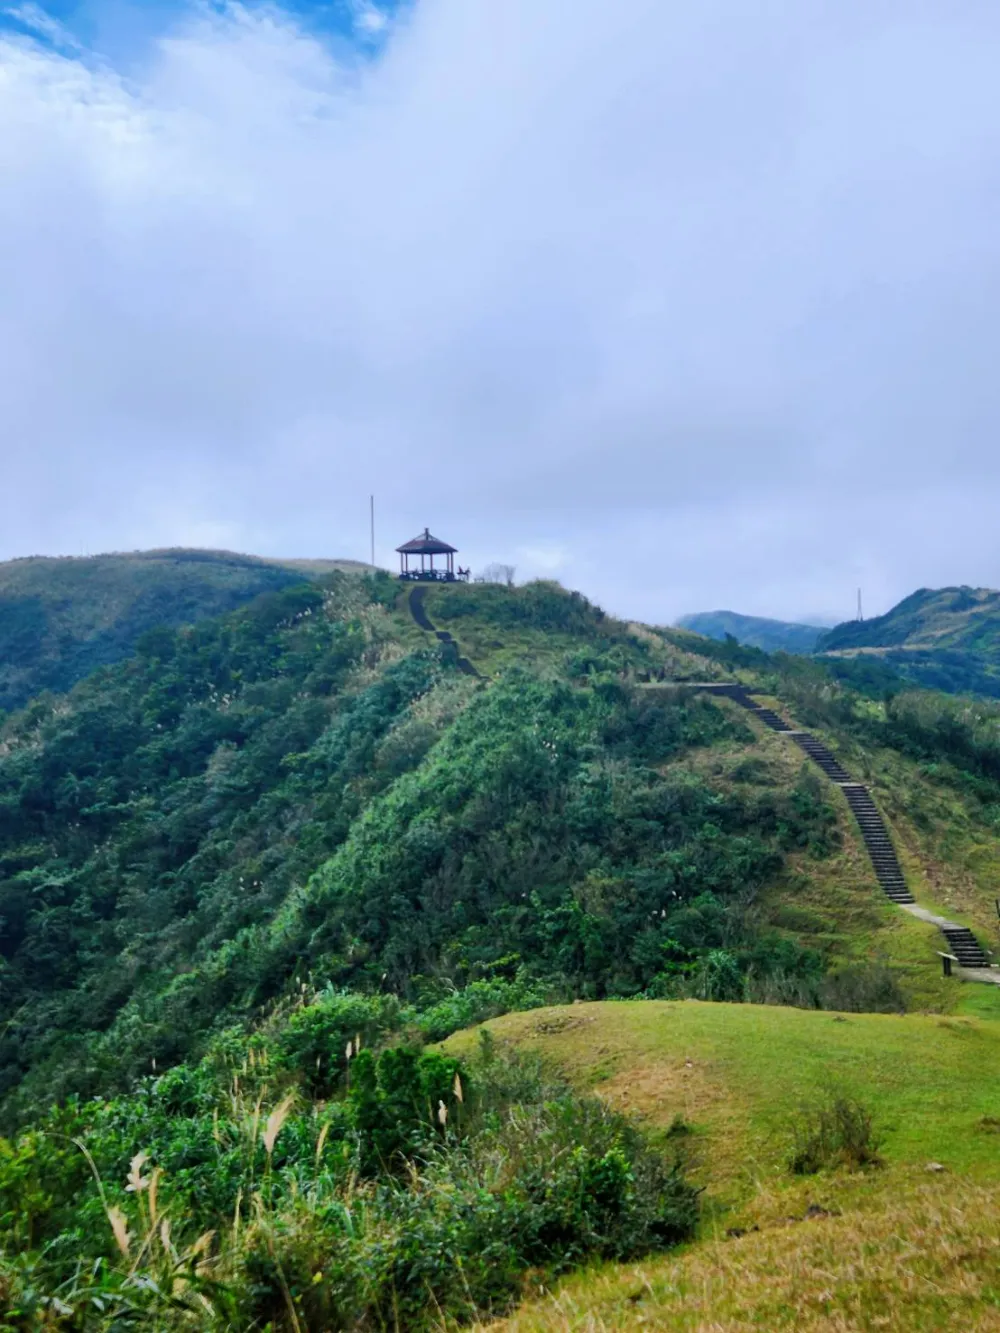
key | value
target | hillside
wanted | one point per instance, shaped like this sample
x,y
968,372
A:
x,y
62,618
773,636
312,786
898,1247
249,872
945,638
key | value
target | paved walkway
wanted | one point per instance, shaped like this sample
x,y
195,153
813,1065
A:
x,y
963,946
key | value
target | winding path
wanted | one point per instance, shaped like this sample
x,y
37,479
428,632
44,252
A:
x,y
962,943
419,613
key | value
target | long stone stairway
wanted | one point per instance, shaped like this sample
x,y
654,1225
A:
x,y
962,943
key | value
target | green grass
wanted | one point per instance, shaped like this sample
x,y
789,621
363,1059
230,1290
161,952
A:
x,y
740,1072
900,1248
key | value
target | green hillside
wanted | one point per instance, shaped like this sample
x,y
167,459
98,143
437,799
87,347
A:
x,y
945,638
249,873
312,787
62,618
898,1247
774,636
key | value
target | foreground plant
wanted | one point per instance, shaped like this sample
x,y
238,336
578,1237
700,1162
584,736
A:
x,y
424,1192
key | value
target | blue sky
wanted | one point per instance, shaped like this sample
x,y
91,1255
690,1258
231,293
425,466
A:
x,y
688,305
124,30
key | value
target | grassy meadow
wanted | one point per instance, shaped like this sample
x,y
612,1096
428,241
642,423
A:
x,y
911,1245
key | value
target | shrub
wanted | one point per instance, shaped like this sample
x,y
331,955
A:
x,y
533,1176
314,1041
840,1134
482,1000
868,988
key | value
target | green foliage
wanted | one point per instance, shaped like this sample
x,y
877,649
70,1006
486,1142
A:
x,y
933,727
773,636
314,1039
61,619
840,1133
539,605
482,1000
427,1191
539,832
173,804
398,1102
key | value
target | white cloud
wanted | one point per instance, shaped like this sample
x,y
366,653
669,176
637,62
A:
x,y
36,20
543,560
368,19
704,300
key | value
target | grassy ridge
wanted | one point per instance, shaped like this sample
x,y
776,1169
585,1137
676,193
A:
x,y
944,638
773,636
739,1072
62,618
900,1248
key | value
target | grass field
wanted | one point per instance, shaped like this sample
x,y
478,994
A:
x,y
902,1247
907,1260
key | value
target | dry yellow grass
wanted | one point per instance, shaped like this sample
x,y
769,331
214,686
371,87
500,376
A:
x,y
917,1257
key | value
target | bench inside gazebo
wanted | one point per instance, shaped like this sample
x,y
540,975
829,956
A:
x,y
424,548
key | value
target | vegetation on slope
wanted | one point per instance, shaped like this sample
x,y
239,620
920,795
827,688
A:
x,y
62,618
944,638
774,636
304,788
275,832
898,1247
228,1195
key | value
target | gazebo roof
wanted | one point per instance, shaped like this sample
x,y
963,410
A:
x,y
426,544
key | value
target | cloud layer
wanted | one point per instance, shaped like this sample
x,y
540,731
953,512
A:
x,y
690,305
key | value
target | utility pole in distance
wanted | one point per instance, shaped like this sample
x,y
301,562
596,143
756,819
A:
x,y
860,616
371,506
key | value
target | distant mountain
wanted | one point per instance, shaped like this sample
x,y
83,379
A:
x,y
943,638
774,636
62,617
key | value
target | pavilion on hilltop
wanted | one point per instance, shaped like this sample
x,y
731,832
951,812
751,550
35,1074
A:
x,y
426,547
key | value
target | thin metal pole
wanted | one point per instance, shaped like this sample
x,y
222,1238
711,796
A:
x,y
371,500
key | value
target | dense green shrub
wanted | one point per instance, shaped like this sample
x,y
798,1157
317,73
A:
x,y
314,1040
539,605
426,1191
841,1133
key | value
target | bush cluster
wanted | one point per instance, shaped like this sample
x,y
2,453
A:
x,y
216,1197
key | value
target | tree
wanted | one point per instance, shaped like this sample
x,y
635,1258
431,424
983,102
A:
x,y
497,573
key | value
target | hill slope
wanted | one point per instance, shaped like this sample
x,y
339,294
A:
x,y
239,869
944,638
311,786
774,636
61,618
896,1248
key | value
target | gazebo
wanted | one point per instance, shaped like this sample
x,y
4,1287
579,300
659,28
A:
x,y
427,546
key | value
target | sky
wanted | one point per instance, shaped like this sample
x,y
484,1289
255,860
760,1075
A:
x,y
689,306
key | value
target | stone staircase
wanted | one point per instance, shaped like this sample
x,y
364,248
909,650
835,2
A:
x,y
888,871
964,946
962,943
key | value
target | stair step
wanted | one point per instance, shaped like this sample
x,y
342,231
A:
x,y
964,945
